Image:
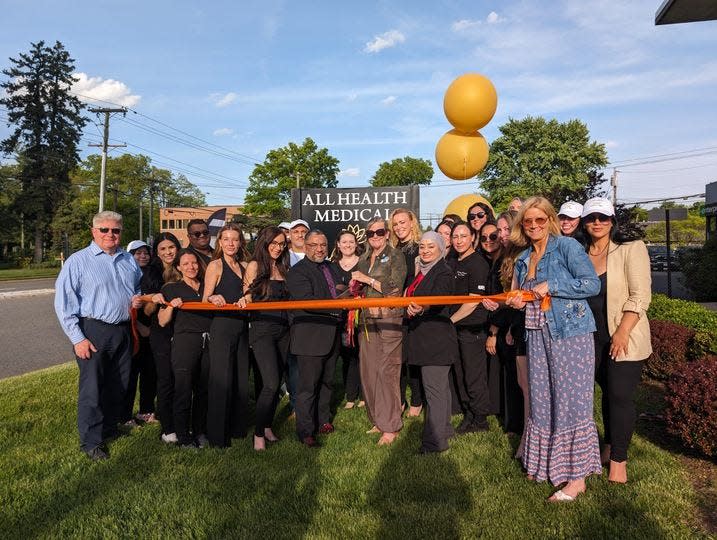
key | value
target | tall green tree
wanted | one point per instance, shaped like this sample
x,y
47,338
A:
x,y
535,156
47,125
270,183
403,172
129,181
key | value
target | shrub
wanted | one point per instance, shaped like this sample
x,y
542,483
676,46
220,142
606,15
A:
x,y
691,411
691,315
698,266
671,344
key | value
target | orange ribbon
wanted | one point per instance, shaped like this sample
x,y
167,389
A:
x,y
358,303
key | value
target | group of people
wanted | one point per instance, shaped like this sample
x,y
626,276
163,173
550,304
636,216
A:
x,y
534,369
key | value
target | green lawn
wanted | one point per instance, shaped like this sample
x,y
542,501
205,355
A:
x,y
350,488
27,273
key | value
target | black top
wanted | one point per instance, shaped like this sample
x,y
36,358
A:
x,y
152,282
598,305
471,275
277,291
204,260
230,286
410,251
187,321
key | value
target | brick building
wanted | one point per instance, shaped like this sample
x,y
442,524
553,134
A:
x,y
175,219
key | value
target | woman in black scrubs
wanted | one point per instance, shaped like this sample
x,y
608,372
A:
x,y
265,281
228,385
190,351
471,274
432,340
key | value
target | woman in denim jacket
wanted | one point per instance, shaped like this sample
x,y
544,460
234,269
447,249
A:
x,y
561,443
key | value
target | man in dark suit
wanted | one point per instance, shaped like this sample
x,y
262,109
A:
x,y
315,337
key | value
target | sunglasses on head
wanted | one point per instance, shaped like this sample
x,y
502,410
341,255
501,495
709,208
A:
x,y
377,232
592,218
492,237
539,221
200,234
105,230
476,215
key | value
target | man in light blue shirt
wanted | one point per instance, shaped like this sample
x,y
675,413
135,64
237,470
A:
x,y
93,295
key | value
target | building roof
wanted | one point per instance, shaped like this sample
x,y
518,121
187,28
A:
x,y
683,11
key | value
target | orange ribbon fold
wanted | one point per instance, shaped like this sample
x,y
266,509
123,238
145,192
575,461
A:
x,y
357,303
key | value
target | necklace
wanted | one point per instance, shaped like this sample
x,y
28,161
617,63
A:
x,y
599,252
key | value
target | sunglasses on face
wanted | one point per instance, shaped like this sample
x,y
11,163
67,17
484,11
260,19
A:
x,y
476,215
539,221
492,237
377,232
200,234
592,218
105,230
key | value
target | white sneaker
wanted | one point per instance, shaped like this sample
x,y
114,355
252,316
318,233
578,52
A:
x,y
169,438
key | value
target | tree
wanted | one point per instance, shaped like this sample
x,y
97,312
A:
x,y
403,172
535,156
270,183
48,125
129,180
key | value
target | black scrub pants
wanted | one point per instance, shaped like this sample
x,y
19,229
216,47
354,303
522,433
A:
x,y
190,365
471,374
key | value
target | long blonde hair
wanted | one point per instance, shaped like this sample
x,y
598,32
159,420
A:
x,y
517,235
415,228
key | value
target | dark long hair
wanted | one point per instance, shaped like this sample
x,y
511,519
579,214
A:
x,y
189,251
259,288
169,273
498,252
619,233
336,257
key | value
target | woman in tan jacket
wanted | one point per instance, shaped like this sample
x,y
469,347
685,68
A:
x,y
622,339
382,269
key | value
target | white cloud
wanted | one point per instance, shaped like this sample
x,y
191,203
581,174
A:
x,y
384,41
97,89
223,100
390,100
611,144
222,132
353,96
352,172
464,24
493,18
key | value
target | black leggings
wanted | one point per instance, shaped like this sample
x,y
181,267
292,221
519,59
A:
x,y
270,343
618,381
351,372
162,353
143,370
190,365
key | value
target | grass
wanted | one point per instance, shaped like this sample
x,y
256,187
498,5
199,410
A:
x,y
350,488
27,273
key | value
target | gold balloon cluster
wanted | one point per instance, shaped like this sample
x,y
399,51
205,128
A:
x,y
469,104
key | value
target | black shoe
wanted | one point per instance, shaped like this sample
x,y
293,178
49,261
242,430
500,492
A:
x,y
425,451
97,454
464,426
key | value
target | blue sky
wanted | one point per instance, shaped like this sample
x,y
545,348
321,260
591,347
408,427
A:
x,y
366,80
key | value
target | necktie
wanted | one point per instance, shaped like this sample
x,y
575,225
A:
x,y
329,279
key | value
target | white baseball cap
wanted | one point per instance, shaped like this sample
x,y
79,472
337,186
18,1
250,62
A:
x,y
598,205
298,222
285,225
571,209
136,244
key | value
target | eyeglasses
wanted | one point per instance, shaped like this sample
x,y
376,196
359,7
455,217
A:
x,y
539,221
377,232
105,230
277,244
492,237
592,218
200,234
477,215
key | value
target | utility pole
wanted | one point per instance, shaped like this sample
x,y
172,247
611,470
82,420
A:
x,y
151,206
140,219
298,183
613,184
105,146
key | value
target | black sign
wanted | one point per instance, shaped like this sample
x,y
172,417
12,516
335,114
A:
x,y
335,209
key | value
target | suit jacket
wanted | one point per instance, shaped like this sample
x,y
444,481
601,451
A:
x,y
629,288
432,337
312,332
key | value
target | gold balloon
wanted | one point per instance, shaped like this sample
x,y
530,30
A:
x,y
461,156
461,204
470,102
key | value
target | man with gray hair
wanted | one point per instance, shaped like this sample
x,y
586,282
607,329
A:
x,y
94,292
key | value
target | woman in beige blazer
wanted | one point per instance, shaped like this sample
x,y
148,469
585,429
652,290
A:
x,y
622,339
